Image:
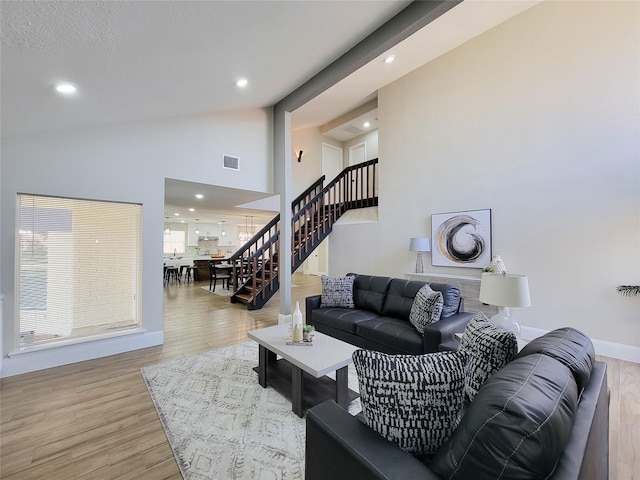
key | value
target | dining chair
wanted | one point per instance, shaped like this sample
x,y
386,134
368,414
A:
x,y
219,272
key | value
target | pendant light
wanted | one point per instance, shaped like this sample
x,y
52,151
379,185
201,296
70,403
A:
x,y
167,229
244,236
197,230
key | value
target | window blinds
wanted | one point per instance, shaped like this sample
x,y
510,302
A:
x,y
78,267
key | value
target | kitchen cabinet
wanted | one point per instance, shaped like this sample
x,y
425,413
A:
x,y
206,230
192,238
209,230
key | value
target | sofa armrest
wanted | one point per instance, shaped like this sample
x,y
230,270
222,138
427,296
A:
x,y
311,303
341,447
443,331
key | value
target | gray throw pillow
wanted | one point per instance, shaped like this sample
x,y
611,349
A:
x,y
426,308
337,291
411,400
489,348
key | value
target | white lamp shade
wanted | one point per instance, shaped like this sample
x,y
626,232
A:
x,y
420,244
505,290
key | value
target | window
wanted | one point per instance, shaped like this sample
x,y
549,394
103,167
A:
x,y
79,268
174,242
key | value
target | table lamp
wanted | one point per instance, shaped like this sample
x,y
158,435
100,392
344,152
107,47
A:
x,y
504,291
420,244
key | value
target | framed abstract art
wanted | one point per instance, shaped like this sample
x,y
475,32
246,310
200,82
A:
x,y
461,239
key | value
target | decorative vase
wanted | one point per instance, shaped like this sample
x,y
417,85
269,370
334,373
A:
x,y
498,265
297,324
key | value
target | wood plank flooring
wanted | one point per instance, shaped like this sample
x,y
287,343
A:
x,y
95,420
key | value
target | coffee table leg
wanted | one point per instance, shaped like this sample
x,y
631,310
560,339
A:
x,y
342,387
263,360
296,391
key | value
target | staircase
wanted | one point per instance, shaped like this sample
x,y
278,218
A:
x,y
313,213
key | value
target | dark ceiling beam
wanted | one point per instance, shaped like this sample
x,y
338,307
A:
x,y
407,22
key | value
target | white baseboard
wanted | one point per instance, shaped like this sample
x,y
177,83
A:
x,y
620,351
64,355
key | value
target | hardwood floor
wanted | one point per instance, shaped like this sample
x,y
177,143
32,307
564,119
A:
x,y
95,420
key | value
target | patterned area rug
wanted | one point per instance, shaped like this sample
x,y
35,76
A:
x,y
221,424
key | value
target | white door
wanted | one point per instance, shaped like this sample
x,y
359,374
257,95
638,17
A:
x,y
357,153
311,265
317,263
331,161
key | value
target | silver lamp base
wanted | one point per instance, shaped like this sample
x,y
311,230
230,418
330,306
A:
x,y
419,266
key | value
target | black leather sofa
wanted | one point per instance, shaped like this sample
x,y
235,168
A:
x,y
380,319
340,446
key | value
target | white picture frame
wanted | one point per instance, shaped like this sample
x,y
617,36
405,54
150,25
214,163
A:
x,y
461,239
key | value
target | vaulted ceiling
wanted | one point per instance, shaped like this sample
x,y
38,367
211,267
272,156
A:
x,y
139,60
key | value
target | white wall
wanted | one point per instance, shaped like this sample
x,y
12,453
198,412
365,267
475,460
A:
x,y
126,163
309,169
371,141
537,119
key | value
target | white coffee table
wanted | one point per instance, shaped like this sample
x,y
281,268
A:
x,y
301,373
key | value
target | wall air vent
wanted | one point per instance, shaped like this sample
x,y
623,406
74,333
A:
x,y
353,130
231,162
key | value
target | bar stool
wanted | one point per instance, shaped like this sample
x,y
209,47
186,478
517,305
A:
x,y
171,272
193,272
186,271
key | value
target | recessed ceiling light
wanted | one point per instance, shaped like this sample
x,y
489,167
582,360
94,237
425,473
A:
x,y
389,58
66,88
366,124
199,196
177,214
242,82
192,209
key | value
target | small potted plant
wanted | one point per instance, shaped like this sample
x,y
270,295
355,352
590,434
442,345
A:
x,y
307,333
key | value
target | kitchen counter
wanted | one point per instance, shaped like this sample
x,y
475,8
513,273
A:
x,y
178,261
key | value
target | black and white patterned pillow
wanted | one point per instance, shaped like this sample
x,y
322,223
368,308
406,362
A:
x,y
426,308
412,400
337,291
488,347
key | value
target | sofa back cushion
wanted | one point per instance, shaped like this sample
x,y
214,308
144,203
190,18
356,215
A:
x,y
370,291
400,298
570,347
402,293
517,426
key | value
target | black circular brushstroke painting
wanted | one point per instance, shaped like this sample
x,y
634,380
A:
x,y
459,241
